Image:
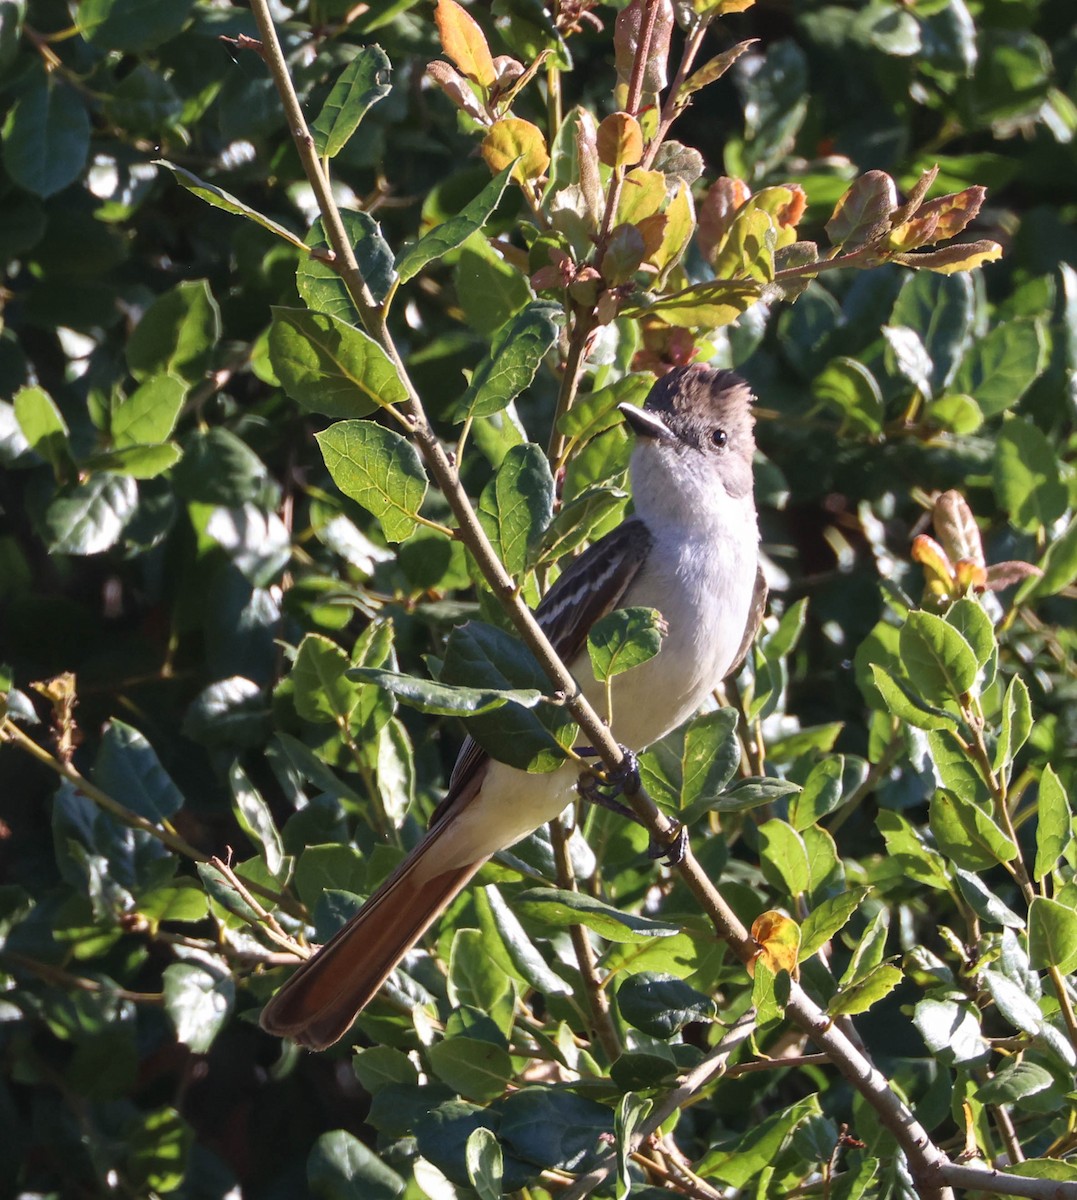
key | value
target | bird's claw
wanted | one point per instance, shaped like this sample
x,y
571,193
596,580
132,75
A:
x,y
604,791
672,849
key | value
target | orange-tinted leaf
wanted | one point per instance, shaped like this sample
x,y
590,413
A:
x,y
917,231
465,43
966,256
778,938
620,140
652,229
864,212
933,558
954,212
716,67
957,528
970,576
456,87
513,138
721,204
916,196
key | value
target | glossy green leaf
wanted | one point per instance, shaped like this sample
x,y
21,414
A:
x,y
1054,824
46,136
939,661
1052,935
177,335
379,470
560,908
149,414
331,367
362,83
820,793
127,767
1014,1082
710,758
907,705
967,835
43,427
784,857
449,700
517,504
828,918
226,202
454,231
661,1005
484,1164
1000,367
515,354
624,639
341,1167
320,284
703,305
132,25
479,655
90,517
321,688
858,997
849,388
199,1002
1026,476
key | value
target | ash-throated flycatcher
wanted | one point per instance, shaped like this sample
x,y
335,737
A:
x,y
691,551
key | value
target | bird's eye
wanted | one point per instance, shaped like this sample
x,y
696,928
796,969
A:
x,y
719,438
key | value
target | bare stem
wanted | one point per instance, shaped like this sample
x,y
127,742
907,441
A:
x,y
597,999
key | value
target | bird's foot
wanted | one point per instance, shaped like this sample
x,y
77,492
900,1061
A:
x,y
605,790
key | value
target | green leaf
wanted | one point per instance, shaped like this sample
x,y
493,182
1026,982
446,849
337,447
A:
x,y
828,918
783,857
1026,475
630,1112
967,835
140,462
442,699
560,909
820,794
941,309
479,655
198,1002
156,1145
90,517
904,704
474,1069
453,232
46,136
703,305
321,688
500,925
1001,366
132,25
858,997
44,428
951,1029
752,792
254,818
1014,1082
1059,565
556,1128
379,470
219,468
975,626
624,639
341,1167
331,367
939,661
127,767
362,83
1054,824
1014,1003
1052,935
321,286
377,1067
578,521
750,1155
490,289
149,414
322,867
516,352
516,505
1016,725
177,335
852,390
484,1163
219,198
956,769
661,1005
710,758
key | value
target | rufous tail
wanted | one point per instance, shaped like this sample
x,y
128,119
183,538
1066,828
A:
x,y
318,1004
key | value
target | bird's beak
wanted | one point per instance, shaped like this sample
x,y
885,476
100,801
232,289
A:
x,y
647,424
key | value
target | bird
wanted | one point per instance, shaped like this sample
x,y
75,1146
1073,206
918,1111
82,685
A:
x,y
690,549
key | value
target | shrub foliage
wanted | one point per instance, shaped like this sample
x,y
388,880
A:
x,y
313,342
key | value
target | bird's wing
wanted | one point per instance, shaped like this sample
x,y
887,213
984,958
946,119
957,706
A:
x,y
755,616
590,587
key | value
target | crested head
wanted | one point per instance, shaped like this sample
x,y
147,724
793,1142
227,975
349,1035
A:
x,y
703,415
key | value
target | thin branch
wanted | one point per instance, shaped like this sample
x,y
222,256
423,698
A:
x,y
597,999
